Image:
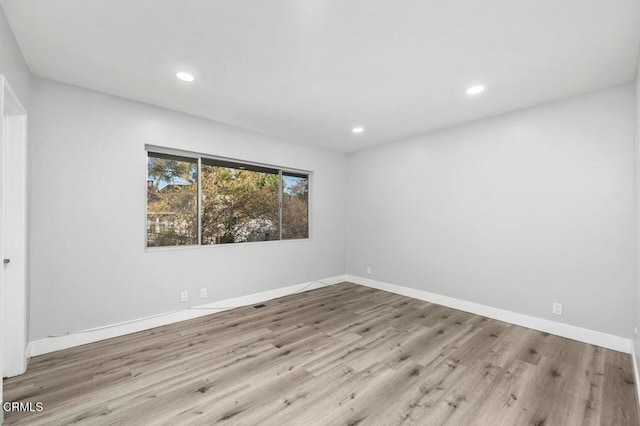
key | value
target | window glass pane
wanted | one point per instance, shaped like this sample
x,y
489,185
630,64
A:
x,y
172,200
238,205
295,206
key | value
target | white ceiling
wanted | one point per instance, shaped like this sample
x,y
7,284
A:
x,y
309,70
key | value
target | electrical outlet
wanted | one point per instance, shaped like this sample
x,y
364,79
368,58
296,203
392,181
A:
x,y
203,293
184,296
368,270
557,308
635,331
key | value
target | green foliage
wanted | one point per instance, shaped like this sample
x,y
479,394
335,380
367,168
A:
x,y
238,205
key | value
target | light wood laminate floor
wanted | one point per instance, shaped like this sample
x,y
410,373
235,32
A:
x,y
341,355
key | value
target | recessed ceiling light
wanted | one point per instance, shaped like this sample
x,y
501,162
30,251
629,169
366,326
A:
x,y
357,129
474,90
185,76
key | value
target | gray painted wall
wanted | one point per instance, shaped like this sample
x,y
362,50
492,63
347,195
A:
x,y
89,264
12,63
516,211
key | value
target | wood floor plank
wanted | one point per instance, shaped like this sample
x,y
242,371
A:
x,y
343,354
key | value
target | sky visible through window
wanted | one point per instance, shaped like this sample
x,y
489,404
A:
x,y
288,182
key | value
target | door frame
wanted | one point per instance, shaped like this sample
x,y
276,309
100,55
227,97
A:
x,y
13,230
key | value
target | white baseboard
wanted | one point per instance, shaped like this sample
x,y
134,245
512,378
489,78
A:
x,y
597,338
52,344
635,371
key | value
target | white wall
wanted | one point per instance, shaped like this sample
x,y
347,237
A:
x,y
88,168
515,211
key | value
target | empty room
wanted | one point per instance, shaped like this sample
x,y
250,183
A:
x,y
320,212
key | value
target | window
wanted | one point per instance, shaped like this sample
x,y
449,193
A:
x,y
240,203
172,200
236,202
295,206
